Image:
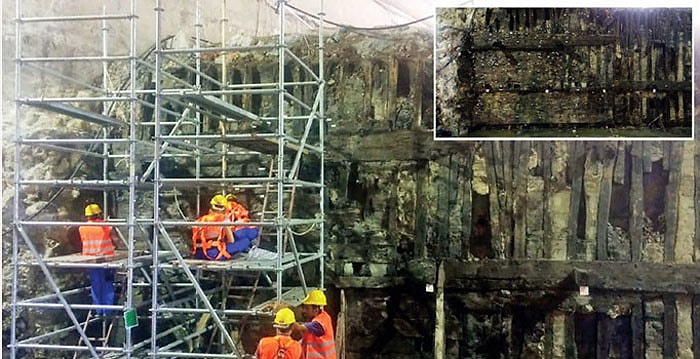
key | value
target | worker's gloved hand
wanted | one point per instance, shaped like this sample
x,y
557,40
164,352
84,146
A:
x,y
298,328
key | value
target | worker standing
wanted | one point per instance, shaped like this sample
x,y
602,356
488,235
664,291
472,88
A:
x,y
216,241
318,340
280,346
238,213
97,241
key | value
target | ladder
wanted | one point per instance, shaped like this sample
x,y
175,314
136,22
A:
x,y
268,212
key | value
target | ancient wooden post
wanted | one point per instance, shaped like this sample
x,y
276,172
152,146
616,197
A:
x,y
440,313
671,202
636,212
577,160
685,228
520,202
592,175
604,203
670,344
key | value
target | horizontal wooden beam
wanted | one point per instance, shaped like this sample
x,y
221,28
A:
x,y
368,282
642,277
527,42
400,145
610,88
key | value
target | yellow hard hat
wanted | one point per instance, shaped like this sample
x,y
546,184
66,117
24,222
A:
x,y
92,209
231,197
219,202
284,318
315,297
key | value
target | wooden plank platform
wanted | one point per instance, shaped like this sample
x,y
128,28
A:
x,y
79,258
120,257
292,297
240,263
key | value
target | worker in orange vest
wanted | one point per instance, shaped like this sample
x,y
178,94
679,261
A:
x,y
318,340
238,213
97,241
281,346
216,242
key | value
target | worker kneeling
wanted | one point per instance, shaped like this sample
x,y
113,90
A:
x,y
238,213
281,346
216,241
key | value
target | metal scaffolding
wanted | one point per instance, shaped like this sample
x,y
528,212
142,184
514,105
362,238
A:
x,y
254,132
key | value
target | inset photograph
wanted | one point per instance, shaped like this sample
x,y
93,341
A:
x,y
563,72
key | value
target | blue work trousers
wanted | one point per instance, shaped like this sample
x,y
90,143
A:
x,y
102,288
239,246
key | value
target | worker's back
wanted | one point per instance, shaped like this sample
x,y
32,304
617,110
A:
x,y
279,347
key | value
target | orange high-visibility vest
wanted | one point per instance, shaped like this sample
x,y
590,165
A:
x,y
96,240
319,347
238,213
206,237
269,348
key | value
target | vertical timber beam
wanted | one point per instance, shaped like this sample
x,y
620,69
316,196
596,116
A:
x,y
670,345
697,195
576,151
696,326
491,155
637,324
593,172
467,202
671,203
685,228
440,313
603,212
636,211
684,311
520,202
421,225
544,151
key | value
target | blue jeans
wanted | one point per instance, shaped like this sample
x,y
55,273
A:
x,y
102,288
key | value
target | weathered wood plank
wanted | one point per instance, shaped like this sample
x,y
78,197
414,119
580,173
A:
x,y
421,226
79,258
440,314
520,201
670,327
497,237
399,145
592,176
578,158
417,89
697,200
544,149
640,277
517,42
637,324
506,180
391,89
603,213
696,326
685,222
636,218
604,333
671,203
467,202
369,282
620,164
